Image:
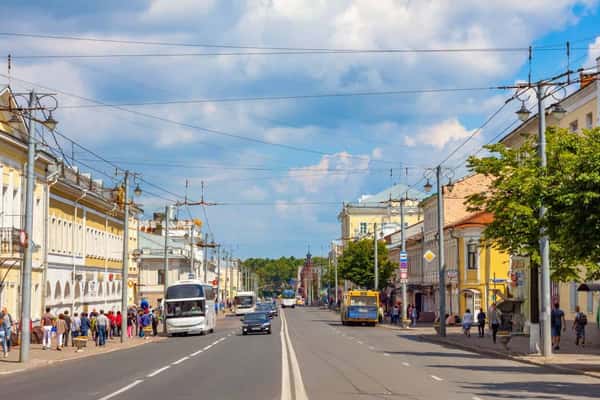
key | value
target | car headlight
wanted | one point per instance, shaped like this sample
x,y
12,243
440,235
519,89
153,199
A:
x,y
265,325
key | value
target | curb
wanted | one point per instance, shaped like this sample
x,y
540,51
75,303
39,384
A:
x,y
506,356
46,363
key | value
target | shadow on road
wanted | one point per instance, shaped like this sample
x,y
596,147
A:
x,y
437,354
539,370
534,390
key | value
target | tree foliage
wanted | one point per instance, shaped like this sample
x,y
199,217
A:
x,y
357,263
569,188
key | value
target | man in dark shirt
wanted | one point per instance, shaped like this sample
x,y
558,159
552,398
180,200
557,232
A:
x,y
557,324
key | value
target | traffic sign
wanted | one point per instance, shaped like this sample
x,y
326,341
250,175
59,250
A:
x,y
403,256
429,256
403,275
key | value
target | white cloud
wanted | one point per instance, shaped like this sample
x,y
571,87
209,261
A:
x,y
440,134
593,53
253,193
171,11
377,153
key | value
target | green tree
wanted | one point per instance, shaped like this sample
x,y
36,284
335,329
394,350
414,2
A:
x,y
569,188
357,263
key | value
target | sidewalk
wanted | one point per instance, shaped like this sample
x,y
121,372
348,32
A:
x,y
41,358
570,358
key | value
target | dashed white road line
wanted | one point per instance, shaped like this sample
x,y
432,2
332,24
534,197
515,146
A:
x,y
359,342
194,354
158,371
476,398
386,354
123,389
437,378
207,347
405,364
180,360
371,347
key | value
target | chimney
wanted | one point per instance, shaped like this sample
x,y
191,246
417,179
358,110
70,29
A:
x,y
586,79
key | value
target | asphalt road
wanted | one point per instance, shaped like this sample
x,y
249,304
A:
x,y
308,356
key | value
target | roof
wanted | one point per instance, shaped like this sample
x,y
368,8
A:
x,y
481,218
395,192
155,242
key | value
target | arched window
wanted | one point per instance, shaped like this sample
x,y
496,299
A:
x,y
100,288
113,288
57,291
86,289
78,290
48,290
67,293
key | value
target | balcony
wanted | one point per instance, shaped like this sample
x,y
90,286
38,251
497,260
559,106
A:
x,y
10,245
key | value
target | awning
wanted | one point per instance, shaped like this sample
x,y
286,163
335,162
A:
x,y
589,287
473,291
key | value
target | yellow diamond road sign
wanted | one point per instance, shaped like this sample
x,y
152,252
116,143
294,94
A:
x,y
429,256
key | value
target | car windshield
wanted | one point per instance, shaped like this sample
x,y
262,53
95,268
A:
x,y
190,308
263,307
244,300
255,317
185,291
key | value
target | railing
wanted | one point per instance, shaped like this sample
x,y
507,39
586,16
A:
x,y
10,244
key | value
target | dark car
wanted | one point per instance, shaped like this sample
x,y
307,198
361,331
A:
x,y
256,322
274,308
266,308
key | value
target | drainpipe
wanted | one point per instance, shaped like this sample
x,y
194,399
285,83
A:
x,y
73,280
46,243
106,293
457,271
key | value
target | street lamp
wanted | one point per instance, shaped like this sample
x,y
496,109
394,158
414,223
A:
x,y
558,111
428,186
523,113
137,191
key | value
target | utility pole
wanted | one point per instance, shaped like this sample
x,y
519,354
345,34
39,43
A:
x,y
205,257
218,272
335,264
28,250
544,241
166,266
125,271
192,253
403,248
376,261
441,262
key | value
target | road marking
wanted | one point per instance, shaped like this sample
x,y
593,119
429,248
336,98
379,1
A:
x,y
405,364
196,353
476,398
437,378
386,354
371,347
299,390
123,389
158,371
359,342
207,347
286,393
180,360
12,372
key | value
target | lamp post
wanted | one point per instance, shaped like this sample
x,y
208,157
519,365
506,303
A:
x,y
27,115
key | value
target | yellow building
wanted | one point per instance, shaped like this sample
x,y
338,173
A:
x,y
358,220
13,156
582,112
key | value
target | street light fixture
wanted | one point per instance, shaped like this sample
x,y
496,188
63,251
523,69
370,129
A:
x,y
450,185
428,186
137,191
50,122
523,113
558,111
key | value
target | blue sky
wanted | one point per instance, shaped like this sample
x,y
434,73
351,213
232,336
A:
x,y
362,137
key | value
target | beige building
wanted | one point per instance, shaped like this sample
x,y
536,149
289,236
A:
x,y
583,112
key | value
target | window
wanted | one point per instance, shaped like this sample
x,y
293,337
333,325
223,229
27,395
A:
x,y
573,126
573,295
363,228
589,121
472,254
590,302
161,277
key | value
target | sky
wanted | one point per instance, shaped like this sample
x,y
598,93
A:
x,y
279,169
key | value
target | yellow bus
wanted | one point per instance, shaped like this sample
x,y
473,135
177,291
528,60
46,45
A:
x,y
360,307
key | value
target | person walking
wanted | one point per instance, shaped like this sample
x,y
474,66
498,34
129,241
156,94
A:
x,y
85,324
579,326
414,315
6,326
93,328
494,317
102,326
481,323
47,324
3,336
75,328
68,331
395,314
557,324
467,322
61,328
154,322
130,323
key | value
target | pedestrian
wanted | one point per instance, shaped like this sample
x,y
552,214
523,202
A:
x,y
61,329
93,318
494,317
111,324
102,327
118,322
140,324
414,315
467,322
481,323
395,314
75,328
130,323
3,336
6,326
558,324
47,324
154,321
68,330
579,326
85,324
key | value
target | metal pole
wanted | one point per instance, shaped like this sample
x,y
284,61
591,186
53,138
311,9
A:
x,y
166,266
335,264
544,241
376,261
192,254
441,262
218,272
28,250
205,249
403,248
125,272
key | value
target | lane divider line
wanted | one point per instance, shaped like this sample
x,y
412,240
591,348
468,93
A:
x,y
359,342
158,371
300,391
405,364
122,390
371,347
180,360
476,398
194,354
437,378
386,354
286,393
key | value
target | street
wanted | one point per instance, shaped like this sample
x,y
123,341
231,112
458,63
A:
x,y
321,360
